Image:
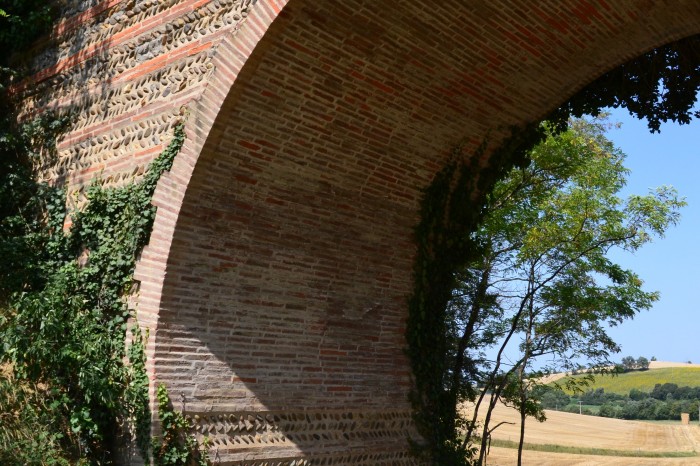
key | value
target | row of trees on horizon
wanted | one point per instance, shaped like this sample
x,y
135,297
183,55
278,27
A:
x,y
665,402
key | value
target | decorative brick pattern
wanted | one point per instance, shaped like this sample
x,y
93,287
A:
x,y
275,282
137,54
116,70
243,434
361,459
262,427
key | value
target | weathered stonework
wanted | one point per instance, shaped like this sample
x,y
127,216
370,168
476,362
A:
x,y
236,435
276,279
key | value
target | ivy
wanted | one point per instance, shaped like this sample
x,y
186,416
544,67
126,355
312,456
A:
x,y
65,329
63,314
176,446
450,209
660,85
22,22
63,321
136,394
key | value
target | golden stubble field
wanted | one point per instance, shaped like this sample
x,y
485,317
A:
x,y
593,432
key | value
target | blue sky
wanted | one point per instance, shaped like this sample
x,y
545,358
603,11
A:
x,y
670,330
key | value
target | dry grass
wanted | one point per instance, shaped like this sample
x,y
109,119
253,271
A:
x,y
576,431
507,457
666,364
593,451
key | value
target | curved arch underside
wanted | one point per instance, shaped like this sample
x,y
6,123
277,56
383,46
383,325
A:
x,y
284,302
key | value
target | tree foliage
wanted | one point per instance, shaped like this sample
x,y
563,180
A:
x,y
661,85
629,363
63,326
544,281
665,402
453,206
22,22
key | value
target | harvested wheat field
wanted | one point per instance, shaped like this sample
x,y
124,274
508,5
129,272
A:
x,y
573,430
507,457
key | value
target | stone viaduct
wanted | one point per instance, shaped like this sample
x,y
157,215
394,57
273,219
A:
x,y
277,275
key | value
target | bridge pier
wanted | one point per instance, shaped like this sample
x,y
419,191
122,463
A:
x,y
275,285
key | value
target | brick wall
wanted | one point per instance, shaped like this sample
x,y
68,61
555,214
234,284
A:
x,y
276,280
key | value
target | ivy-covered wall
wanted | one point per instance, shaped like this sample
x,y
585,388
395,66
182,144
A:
x,y
660,85
73,386
285,229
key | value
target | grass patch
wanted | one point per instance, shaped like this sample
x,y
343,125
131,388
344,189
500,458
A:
x,y
593,451
645,380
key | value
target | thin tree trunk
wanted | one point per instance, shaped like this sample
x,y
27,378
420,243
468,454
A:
x,y
474,314
498,389
485,436
526,357
522,429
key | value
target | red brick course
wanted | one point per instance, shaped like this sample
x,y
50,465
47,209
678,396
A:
x,y
276,279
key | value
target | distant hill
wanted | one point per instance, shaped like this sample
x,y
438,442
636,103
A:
x,y
665,364
683,375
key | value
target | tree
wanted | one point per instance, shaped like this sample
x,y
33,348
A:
x,y
551,397
636,394
642,363
607,410
659,86
629,363
662,391
544,280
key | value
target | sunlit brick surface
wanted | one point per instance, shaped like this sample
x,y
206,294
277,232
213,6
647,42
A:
x,y
277,276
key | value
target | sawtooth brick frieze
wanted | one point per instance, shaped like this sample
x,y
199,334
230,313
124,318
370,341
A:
x,y
234,436
276,280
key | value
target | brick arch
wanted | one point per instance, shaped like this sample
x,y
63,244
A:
x,y
277,284
198,115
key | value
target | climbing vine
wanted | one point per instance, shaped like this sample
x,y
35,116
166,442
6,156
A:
x,y
661,85
70,383
176,446
64,331
64,320
451,208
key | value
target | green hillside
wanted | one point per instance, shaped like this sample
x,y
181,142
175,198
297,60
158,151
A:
x,y
645,380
